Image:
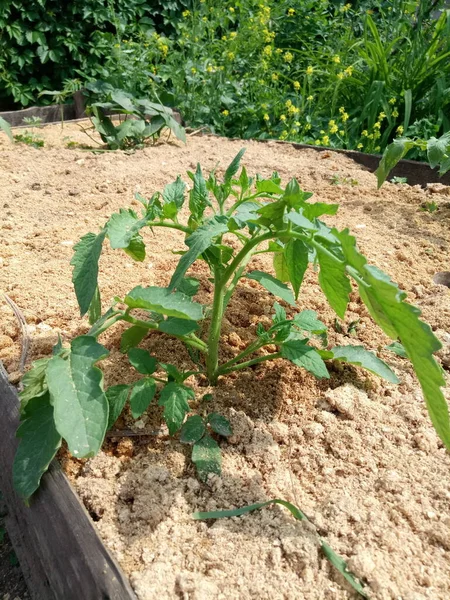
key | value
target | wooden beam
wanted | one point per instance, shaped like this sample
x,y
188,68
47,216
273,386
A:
x,y
59,550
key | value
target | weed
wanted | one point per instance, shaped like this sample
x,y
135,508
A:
x,y
30,138
429,206
338,180
399,180
64,395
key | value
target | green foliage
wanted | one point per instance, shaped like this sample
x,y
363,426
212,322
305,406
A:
x,y
143,120
6,127
437,150
337,561
262,216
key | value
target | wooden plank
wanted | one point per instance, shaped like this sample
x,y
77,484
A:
x,y
59,550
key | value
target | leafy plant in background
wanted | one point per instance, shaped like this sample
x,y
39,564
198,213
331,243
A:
x,y
437,152
143,119
230,221
31,138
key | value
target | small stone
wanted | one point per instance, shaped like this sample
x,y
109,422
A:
x,y
362,564
66,243
14,377
313,430
74,192
418,290
5,341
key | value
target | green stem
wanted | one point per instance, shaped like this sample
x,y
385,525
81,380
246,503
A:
x,y
191,340
253,347
169,226
249,363
212,358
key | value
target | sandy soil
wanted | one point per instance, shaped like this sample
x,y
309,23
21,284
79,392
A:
x,y
357,455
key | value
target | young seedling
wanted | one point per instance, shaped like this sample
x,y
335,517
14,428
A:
x,y
229,222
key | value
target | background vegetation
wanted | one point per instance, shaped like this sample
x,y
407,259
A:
x,y
348,75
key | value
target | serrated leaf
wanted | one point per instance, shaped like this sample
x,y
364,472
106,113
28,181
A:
x,y
117,396
85,268
312,211
136,248
334,282
273,285
174,397
198,242
294,196
296,257
189,286
142,394
245,213
39,442
173,193
307,321
220,424
244,180
76,393
391,156
162,301
400,320
233,167
122,228
34,382
280,266
193,430
358,355
207,457
302,355
173,326
142,361
397,349
131,337
301,221
95,307
198,196
280,314
437,149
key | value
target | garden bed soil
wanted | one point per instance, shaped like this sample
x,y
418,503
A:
x,y
356,454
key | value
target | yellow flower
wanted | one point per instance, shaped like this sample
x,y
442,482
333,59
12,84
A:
x,y
297,123
325,140
381,116
336,59
341,132
359,146
346,7
210,69
261,82
266,117
392,101
204,19
342,110
231,9
193,70
274,76
307,126
233,34
340,75
331,122
370,136
288,103
376,135
395,113
348,70
164,49
322,131
283,135
186,13
377,148
282,117
225,113
267,51
224,38
310,98
296,85
288,57
334,129
317,142
309,70
344,116
293,110
291,12
364,133
279,50
377,125
230,55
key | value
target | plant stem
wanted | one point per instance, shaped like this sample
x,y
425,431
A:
x,y
253,347
191,340
169,225
212,358
249,363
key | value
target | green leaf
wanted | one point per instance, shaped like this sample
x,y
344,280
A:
x,y
307,321
358,355
34,382
142,394
162,301
280,266
400,321
233,167
122,228
437,149
188,286
173,374
294,196
173,196
198,242
173,326
334,282
39,442
192,430
296,257
273,285
397,349
271,213
302,355
207,457
268,186
117,396
95,307
136,248
85,268
198,196
219,424
132,337
76,393
301,221
391,156
334,558
312,211
142,361
6,127
174,397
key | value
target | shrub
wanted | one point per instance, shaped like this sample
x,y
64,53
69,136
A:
x,y
229,222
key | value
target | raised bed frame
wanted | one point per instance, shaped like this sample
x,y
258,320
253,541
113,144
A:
x,y
60,552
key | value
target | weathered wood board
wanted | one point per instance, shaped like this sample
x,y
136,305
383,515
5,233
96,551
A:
x,y
59,550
